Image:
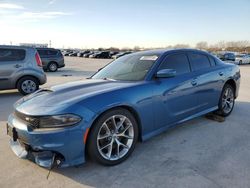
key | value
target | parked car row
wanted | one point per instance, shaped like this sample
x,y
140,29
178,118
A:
x,y
95,54
235,58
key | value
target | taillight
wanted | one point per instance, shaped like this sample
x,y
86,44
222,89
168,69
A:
x,y
38,60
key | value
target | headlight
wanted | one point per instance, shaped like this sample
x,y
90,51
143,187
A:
x,y
58,121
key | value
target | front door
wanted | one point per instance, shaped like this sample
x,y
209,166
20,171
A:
x,y
176,97
11,61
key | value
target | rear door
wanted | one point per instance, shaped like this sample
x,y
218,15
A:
x,y
11,65
208,79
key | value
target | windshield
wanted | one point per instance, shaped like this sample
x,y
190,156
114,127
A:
x,y
132,67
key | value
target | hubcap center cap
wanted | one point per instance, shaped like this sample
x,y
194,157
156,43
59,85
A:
x,y
114,136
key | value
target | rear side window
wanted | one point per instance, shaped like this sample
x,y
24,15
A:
x,y
212,61
199,61
52,52
42,52
47,52
178,62
12,54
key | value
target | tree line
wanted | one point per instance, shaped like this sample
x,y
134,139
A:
x,y
235,46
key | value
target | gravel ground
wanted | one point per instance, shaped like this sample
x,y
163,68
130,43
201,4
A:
x,y
198,153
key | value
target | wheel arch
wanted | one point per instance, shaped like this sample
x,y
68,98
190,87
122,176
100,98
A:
x,y
126,107
232,83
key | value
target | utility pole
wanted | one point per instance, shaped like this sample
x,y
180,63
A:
x,y
50,43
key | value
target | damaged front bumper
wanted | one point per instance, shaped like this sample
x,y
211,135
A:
x,y
46,159
62,147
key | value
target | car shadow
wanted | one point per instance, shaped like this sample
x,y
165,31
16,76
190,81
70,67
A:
x,y
193,148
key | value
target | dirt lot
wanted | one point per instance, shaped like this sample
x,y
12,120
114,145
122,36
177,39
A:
x,y
199,153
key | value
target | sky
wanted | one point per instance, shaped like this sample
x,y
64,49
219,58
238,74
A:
x,y
123,23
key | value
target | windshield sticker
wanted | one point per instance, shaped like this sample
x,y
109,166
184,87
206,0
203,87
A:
x,y
149,58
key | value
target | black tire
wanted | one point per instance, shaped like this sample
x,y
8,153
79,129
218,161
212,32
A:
x,y
52,67
92,143
33,82
240,62
222,109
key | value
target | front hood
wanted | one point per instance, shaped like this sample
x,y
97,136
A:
x,y
66,94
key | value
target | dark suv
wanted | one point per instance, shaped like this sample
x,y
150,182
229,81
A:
x,y
104,55
228,56
52,59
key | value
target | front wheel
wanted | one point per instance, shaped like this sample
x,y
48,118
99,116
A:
x,y
113,137
227,99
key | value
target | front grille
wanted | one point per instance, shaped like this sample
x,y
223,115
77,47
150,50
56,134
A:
x,y
30,120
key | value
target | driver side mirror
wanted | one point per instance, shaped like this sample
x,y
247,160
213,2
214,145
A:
x,y
166,73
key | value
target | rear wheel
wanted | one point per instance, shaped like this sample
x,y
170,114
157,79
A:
x,y
52,67
27,85
240,62
227,99
113,137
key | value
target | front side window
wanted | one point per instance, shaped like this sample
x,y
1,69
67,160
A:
x,y
199,61
178,62
128,68
12,54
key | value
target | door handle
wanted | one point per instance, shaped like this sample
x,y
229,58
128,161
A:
x,y
221,73
17,66
194,82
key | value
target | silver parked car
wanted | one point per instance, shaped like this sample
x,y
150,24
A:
x,y
20,68
242,59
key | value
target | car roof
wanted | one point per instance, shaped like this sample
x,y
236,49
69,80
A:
x,y
165,51
16,47
46,48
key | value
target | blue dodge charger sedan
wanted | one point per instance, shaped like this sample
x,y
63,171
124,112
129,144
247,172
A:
x,y
133,98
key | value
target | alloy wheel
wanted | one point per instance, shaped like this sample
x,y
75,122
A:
x,y
227,100
115,137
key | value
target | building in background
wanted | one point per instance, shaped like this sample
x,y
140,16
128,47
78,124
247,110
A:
x,y
34,45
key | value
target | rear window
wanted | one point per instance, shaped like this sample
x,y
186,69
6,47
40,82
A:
x,y
198,61
229,56
12,54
